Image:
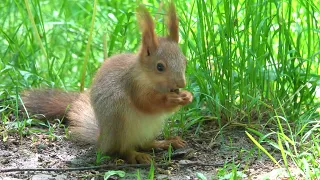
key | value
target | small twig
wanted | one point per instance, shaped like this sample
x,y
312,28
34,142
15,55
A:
x,y
191,163
76,168
196,163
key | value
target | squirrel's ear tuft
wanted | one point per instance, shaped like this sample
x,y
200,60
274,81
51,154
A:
x,y
173,23
149,38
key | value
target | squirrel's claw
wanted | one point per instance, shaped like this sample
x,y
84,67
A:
x,y
140,158
183,98
186,97
177,142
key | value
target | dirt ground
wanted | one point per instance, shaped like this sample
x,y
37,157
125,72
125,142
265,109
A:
x,y
37,151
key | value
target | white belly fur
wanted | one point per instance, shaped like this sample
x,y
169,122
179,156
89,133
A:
x,y
142,128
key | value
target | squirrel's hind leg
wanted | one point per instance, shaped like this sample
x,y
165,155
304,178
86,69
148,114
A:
x,y
134,157
176,142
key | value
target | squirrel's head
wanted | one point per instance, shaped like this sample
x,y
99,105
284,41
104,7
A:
x,y
161,57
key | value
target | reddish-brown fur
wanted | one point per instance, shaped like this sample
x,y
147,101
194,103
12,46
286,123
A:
x,y
56,106
153,102
130,97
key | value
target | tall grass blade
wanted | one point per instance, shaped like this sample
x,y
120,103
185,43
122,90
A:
x,y
86,57
263,149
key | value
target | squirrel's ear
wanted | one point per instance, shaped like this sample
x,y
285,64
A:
x,y
173,23
149,38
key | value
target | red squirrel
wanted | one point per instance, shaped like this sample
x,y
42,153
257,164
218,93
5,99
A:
x,y
130,98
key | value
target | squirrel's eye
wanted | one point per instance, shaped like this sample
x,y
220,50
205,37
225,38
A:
x,y
160,67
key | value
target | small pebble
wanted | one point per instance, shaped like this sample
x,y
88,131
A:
x,y
42,146
5,161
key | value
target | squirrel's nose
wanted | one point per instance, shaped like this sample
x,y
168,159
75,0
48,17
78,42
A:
x,y
181,83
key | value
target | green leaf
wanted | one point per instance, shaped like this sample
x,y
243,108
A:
x,y
111,173
201,176
151,171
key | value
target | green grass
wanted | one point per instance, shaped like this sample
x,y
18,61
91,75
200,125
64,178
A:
x,y
249,62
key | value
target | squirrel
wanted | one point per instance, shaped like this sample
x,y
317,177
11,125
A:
x,y
129,99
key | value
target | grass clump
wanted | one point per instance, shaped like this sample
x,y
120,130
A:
x,y
249,62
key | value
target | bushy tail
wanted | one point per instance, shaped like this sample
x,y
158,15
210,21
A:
x,y
49,103
74,107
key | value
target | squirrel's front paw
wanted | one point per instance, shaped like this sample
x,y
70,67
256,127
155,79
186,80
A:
x,y
183,98
186,97
174,99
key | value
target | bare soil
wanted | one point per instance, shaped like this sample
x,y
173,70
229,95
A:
x,y
233,146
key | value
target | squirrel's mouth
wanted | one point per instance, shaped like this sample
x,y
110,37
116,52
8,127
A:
x,y
175,90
